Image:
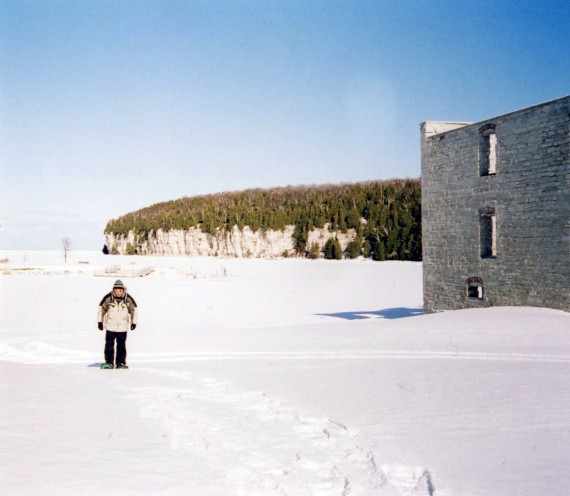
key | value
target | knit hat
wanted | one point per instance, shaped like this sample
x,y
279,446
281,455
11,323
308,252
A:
x,y
119,285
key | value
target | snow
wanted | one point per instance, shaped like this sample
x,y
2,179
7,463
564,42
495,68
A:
x,y
274,377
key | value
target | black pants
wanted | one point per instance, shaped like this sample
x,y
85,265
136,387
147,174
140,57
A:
x,y
121,338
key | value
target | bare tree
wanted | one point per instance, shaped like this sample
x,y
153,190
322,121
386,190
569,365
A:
x,y
66,242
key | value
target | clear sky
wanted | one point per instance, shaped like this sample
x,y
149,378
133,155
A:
x,y
108,106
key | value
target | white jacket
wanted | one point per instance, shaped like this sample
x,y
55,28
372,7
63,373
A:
x,y
117,315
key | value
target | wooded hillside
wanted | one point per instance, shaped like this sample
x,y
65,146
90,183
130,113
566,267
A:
x,y
386,215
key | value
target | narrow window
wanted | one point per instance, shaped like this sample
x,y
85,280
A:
x,y
487,150
488,232
475,288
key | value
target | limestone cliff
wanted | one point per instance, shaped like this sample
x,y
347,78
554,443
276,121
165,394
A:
x,y
234,243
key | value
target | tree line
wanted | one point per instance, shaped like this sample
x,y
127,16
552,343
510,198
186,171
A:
x,y
385,216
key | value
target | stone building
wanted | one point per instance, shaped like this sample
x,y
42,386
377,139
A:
x,y
496,210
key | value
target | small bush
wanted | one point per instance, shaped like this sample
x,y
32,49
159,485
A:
x,y
131,250
315,251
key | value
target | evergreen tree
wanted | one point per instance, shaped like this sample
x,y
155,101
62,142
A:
x,y
353,221
333,250
300,236
354,248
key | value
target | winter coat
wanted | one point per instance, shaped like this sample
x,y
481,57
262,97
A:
x,y
117,314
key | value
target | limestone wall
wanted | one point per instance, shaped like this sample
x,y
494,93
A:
x,y
233,243
522,257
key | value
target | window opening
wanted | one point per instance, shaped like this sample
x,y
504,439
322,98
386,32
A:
x,y
488,150
475,288
488,232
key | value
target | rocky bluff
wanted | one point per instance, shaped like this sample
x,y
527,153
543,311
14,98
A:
x,y
226,243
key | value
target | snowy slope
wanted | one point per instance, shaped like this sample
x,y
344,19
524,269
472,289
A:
x,y
291,377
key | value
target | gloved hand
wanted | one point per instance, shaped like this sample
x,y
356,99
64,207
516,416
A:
x,y
133,327
100,326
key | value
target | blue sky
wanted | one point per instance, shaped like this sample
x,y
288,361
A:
x,y
110,106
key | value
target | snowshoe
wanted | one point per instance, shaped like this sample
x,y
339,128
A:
x,y
122,366
107,366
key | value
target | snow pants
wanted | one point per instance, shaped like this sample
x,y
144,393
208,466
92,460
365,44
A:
x,y
121,339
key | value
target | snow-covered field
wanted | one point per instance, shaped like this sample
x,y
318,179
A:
x,y
289,377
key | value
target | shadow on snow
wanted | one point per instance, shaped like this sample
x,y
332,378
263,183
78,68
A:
x,y
387,313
